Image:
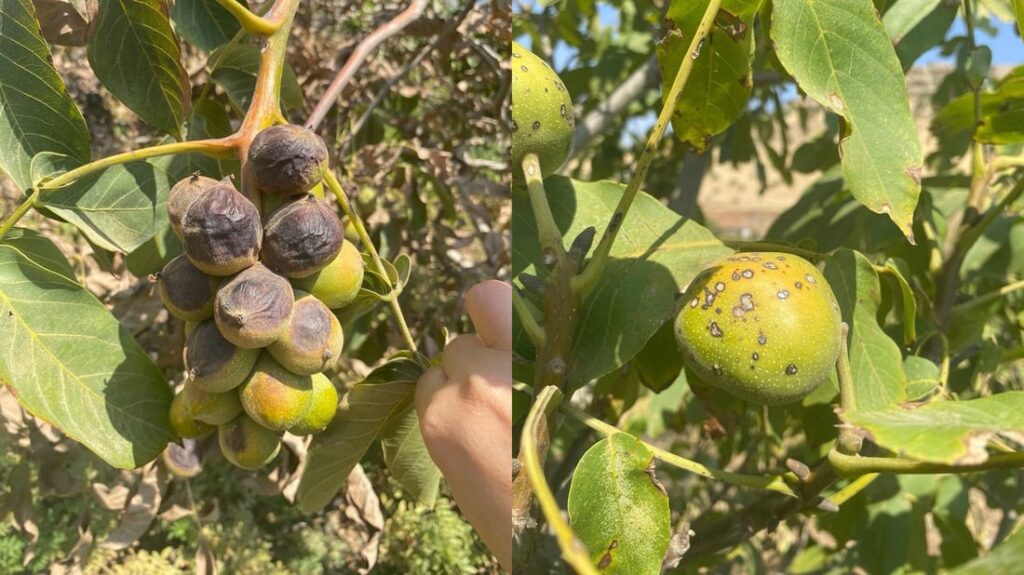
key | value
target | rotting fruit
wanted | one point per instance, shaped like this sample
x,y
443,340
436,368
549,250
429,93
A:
x,y
182,195
208,407
322,410
312,340
763,326
338,283
213,363
274,397
287,160
542,114
247,445
253,307
221,231
301,237
187,292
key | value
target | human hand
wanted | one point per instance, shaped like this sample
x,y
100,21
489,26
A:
x,y
465,411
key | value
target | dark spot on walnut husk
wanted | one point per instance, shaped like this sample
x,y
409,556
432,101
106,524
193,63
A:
x,y
221,231
301,237
287,160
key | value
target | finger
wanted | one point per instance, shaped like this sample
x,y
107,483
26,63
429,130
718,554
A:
x,y
468,355
432,381
490,307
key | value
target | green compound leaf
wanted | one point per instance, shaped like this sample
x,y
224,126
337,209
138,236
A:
x,y
617,507
718,88
840,55
70,363
119,208
407,459
947,432
205,23
135,54
655,257
36,113
367,408
878,377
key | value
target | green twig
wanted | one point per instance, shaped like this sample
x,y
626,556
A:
x,y
856,486
547,230
249,21
364,238
588,279
573,551
853,465
18,213
530,325
987,298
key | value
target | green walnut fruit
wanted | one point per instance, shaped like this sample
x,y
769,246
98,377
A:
x,y
312,340
287,160
763,326
247,445
338,283
181,197
253,307
542,115
187,292
183,423
275,397
221,231
213,363
301,238
321,413
208,407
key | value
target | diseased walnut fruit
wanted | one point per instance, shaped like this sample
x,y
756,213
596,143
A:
x,y
213,363
253,307
312,340
287,160
542,114
221,231
301,238
181,197
247,445
763,326
187,292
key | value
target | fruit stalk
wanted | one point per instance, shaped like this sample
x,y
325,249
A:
x,y
251,22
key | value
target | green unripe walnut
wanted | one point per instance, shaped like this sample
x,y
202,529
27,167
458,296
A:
x,y
321,413
542,114
274,397
247,445
213,363
187,292
253,307
337,284
221,231
207,407
181,197
763,326
287,160
312,340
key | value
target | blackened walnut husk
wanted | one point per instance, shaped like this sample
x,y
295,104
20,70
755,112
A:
x,y
253,308
187,292
221,231
182,195
287,160
301,237
213,363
